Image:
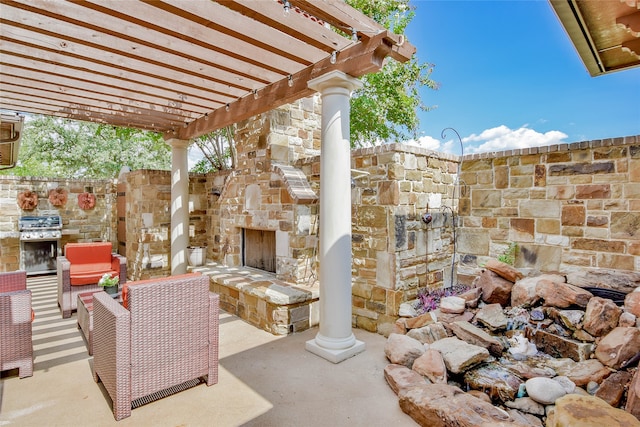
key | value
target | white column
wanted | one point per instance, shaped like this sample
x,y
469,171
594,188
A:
x,y
179,205
335,340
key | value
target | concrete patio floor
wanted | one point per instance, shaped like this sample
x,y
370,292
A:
x,y
264,380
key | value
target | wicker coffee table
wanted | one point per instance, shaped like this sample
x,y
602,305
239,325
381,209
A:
x,y
85,316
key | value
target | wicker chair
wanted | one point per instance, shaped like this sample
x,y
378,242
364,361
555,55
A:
x,y
166,341
87,280
16,346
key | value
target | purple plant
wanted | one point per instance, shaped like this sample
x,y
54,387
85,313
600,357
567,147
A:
x,y
429,299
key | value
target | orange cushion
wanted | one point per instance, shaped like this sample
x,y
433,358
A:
x,y
91,277
125,287
88,253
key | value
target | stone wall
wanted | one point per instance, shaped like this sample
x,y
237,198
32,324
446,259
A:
x,y
568,207
97,224
395,254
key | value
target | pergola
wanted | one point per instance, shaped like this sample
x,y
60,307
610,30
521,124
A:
x,y
186,68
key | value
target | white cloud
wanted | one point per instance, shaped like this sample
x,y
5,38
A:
x,y
502,138
427,142
194,155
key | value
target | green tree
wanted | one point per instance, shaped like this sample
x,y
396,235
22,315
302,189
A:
x,y
218,149
56,147
386,108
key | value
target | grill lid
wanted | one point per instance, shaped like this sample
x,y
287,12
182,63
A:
x,y
50,222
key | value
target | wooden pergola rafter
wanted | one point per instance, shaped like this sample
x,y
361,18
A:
x,y
183,68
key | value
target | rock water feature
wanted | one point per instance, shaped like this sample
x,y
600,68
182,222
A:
x,y
521,351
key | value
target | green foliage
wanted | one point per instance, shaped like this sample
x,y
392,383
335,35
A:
x,y
55,147
509,255
218,148
386,108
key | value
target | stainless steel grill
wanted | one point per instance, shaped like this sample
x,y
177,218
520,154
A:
x,y
39,241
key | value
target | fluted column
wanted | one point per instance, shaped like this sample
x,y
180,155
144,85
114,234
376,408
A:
x,y
335,340
179,205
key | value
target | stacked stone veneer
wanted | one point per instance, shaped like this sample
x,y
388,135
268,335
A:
x,y
97,224
568,207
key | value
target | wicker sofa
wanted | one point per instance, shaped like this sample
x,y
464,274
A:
x,y
80,269
166,338
16,346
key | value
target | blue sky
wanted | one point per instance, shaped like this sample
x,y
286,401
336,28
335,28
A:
x,y
510,77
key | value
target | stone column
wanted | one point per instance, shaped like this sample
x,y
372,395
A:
x,y
179,205
335,340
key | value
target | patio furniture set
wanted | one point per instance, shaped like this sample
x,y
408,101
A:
x,y
156,337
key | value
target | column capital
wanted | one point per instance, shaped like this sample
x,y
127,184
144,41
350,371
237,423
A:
x,y
178,143
335,78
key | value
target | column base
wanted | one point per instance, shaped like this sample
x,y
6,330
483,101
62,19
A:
x,y
335,355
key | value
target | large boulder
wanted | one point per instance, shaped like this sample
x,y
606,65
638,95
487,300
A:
x,y
400,378
459,355
589,411
476,336
503,270
429,333
431,365
495,289
443,405
632,303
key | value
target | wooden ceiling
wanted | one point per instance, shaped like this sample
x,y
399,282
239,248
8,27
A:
x,y
606,33
183,68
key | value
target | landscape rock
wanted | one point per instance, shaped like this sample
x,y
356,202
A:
x,y
562,295
524,418
601,316
582,373
401,378
624,281
429,334
443,405
495,380
524,293
571,318
407,310
589,411
618,346
431,365
472,297
633,396
399,327
627,319
421,320
492,317
557,346
480,395
452,304
504,270
526,404
632,303
476,336
544,390
525,370
459,355
568,385
495,289
403,350
612,389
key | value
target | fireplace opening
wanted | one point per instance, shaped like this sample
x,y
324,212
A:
x,y
259,249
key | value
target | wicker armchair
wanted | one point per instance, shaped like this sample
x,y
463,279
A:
x,y
164,342
80,269
16,346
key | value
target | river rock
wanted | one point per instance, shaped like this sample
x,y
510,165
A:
x,y
443,405
504,270
431,365
612,389
476,336
492,317
403,350
459,355
589,411
494,379
618,346
562,295
495,289
544,390
428,334
566,383
401,378
601,316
